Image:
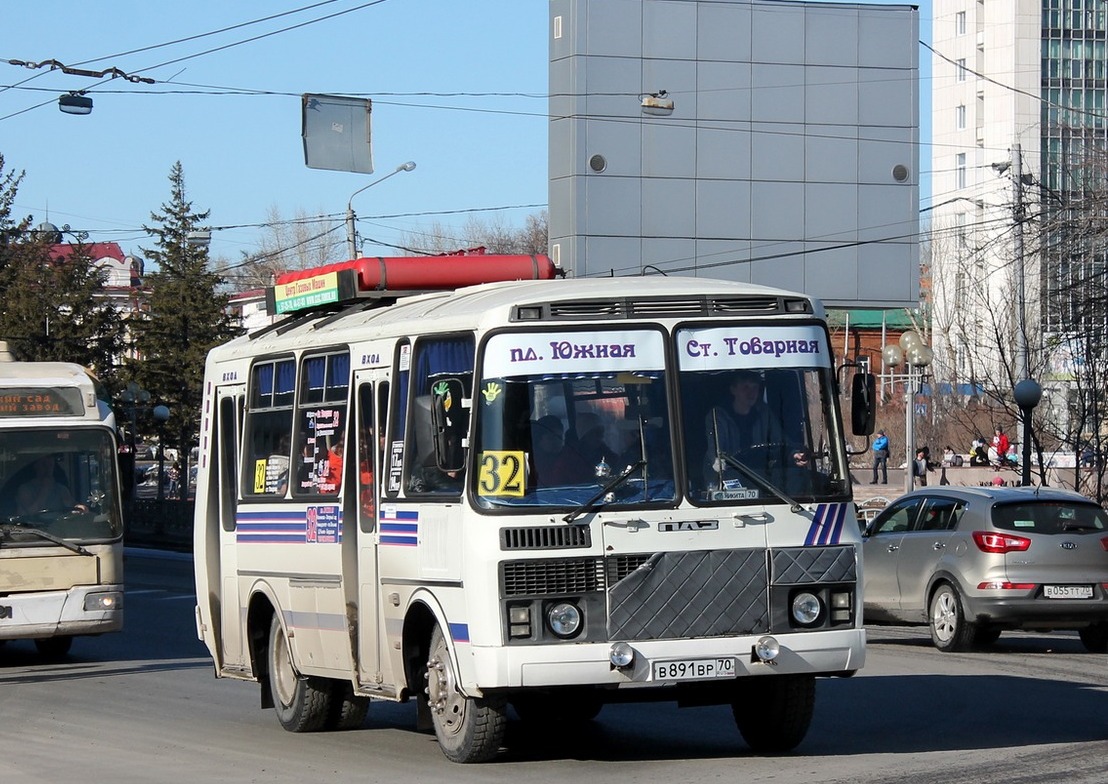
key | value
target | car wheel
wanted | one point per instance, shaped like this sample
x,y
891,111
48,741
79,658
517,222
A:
x,y
949,629
1095,638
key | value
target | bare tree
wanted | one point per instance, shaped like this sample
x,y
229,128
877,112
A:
x,y
494,235
297,243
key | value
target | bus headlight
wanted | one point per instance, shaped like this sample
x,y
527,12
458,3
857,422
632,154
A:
x,y
806,608
102,602
564,619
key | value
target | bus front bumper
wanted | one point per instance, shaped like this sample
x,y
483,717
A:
x,y
94,609
839,652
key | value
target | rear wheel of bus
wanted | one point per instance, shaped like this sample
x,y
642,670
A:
x,y
773,712
303,703
468,729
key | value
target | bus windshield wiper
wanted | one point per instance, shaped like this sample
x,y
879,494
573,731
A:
x,y
760,480
603,491
6,532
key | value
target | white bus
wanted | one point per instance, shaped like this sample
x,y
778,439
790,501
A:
x,y
527,493
61,524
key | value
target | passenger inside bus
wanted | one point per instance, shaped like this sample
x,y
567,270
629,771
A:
x,y
586,455
547,441
45,490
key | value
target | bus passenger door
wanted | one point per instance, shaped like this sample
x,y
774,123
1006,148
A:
x,y
371,396
226,451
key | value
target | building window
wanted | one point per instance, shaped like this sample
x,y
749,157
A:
x,y
960,228
960,117
960,23
960,169
961,62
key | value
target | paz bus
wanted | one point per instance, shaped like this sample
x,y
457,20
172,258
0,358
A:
x,y
61,524
526,493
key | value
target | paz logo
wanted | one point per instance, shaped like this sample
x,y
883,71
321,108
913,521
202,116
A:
x,y
491,392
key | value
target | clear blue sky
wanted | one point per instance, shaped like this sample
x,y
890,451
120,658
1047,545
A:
x,y
242,153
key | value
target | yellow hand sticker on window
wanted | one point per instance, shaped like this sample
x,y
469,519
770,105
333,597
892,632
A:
x,y
501,473
491,392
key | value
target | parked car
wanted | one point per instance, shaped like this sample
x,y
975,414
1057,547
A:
x,y
971,562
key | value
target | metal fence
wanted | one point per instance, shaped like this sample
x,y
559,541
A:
x,y
165,524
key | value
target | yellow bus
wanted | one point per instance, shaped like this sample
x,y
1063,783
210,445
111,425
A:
x,y
537,493
61,535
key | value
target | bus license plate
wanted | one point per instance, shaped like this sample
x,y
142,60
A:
x,y
1068,591
694,669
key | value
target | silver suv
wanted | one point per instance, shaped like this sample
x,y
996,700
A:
x,y
973,561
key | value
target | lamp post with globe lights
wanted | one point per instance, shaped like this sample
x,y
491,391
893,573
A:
x,y
915,355
1028,393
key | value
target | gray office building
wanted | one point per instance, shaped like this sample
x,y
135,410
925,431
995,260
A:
x,y
753,140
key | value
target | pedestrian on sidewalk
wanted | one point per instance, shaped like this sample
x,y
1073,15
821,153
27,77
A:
x,y
881,457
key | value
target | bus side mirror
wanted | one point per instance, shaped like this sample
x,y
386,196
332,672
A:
x,y
863,404
449,421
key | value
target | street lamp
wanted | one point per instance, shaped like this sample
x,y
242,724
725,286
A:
x,y
916,355
351,233
1028,393
161,416
133,398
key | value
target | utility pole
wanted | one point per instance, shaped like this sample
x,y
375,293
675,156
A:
x,y
1021,365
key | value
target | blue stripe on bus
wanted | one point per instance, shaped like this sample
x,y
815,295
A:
x,y
402,541
827,525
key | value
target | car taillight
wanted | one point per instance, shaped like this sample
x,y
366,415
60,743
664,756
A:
x,y
991,542
999,585
1104,542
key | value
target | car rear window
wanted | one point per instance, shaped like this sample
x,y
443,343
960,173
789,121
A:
x,y
1050,517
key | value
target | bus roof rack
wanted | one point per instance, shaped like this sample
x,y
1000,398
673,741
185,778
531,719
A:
x,y
358,279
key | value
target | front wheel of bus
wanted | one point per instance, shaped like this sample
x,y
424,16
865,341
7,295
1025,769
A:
x,y
773,712
468,729
53,647
303,704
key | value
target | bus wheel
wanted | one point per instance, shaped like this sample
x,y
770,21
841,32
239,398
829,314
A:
x,y
348,710
302,703
773,711
53,647
468,729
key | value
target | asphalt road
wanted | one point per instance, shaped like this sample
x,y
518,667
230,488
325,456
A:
x,y
143,706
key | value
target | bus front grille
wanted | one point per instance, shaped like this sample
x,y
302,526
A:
x,y
703,593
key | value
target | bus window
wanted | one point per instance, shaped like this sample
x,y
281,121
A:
x,y
553,437
269,427
321,423
368,447
442,377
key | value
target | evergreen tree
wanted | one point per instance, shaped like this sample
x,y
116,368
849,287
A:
x,y
186,315
52,309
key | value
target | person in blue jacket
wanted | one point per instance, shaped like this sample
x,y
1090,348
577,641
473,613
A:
x,y
881,457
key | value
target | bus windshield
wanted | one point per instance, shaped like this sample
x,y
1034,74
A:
x,y
61,482
563,415
759,423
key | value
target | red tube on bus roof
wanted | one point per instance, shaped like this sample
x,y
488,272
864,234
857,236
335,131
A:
x,y
416,273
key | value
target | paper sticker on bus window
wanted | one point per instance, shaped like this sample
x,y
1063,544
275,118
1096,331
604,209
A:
x,y
501,473
259,475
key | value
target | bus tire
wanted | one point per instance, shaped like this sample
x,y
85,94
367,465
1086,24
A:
x,y
303,703
53,647
468,729
348,710
773,712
